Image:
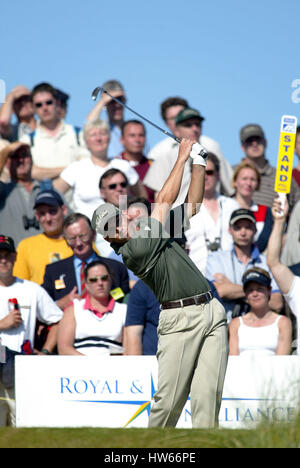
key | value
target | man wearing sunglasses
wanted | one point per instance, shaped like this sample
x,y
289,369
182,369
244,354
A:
x,y
193,348
113,184
54,144
188,124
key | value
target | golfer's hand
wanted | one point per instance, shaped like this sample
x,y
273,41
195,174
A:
x,y
184,149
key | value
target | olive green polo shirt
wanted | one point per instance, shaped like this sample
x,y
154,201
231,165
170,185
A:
x,y
161,263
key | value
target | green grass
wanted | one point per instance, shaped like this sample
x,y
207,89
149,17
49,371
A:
x,y
267,436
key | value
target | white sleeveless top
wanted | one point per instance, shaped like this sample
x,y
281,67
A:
x,y
258,340
94,335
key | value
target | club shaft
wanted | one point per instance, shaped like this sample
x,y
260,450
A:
x,y
99,89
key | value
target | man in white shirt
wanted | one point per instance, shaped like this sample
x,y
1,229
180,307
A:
x,y
17,324
188,125
54,144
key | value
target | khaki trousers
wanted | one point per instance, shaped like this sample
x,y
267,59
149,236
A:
x,y
192,358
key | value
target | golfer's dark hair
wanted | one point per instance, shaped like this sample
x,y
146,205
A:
x,y
74,218
298,129
171,101
97,263
132,121
109,173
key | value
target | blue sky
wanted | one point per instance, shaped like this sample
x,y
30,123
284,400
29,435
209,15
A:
x,y
233,60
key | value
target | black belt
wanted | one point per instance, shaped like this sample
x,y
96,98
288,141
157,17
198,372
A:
x,y
194,300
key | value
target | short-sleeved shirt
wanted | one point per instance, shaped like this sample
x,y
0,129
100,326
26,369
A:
x,y
34,303
143,309
161,263
84,176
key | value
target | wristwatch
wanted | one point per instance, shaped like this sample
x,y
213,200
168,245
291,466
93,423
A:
x,y
45,351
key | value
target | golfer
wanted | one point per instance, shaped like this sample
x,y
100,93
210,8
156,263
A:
x,y
193,348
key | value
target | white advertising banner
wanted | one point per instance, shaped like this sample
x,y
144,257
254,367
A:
x,y
116,391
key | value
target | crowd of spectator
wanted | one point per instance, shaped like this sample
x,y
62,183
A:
x,y
64,290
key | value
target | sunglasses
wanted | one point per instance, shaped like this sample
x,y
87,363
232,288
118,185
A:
x,y
114,186
97,278
47,103
210,172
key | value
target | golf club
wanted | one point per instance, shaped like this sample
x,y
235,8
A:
x,y
202,151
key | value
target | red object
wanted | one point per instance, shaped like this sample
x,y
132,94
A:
x,y
13,304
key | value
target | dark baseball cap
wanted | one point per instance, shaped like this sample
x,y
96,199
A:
x,y
48,197
242,213
186,114
257,275
7,243
103,214
251,130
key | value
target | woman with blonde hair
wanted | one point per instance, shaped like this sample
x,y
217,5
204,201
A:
x,y
83,176
245,181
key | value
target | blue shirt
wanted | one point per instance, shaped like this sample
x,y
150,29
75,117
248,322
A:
x,y
143,309
115,147
227,263
77,266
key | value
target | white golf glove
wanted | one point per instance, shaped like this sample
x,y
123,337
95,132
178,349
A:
x,y
198,154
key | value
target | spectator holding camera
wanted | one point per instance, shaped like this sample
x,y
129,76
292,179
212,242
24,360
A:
x,y
260,331
17,196
225,268
208,230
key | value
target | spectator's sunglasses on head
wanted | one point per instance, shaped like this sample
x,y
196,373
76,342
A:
x,y
47,103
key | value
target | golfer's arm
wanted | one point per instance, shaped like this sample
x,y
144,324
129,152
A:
x,y
169,192
282,274
196,190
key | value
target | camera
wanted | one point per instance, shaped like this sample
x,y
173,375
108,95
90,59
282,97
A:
x,y
240,308
214,245
30,222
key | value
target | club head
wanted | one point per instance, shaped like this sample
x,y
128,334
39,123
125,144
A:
x,y
96,92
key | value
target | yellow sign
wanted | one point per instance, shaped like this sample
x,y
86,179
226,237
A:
x,y
285,154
